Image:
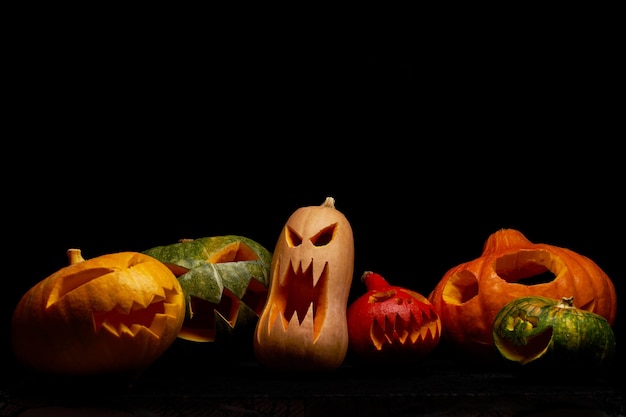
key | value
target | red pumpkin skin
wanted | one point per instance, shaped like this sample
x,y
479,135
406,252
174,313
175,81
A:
x,y
391,323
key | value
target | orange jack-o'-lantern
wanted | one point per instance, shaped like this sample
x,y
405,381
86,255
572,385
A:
x,y
303,325
469,296
115,313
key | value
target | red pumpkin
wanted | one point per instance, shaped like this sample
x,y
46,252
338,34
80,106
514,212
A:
x,y
470,295
391,323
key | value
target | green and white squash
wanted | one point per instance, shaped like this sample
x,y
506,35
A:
x,y
225,281
554,333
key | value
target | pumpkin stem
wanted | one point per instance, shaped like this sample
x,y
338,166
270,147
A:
x,y
329,202
374,281
566,302
505,239
74,256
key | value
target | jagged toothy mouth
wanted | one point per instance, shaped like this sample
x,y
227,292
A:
x,y
301,295
151,317
393,329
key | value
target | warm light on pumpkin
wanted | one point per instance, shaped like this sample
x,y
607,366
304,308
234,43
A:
x,y
303,325
113,313
469,296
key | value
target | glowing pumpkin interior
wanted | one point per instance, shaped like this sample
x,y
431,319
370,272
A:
x,y
302,285
526,267
400,319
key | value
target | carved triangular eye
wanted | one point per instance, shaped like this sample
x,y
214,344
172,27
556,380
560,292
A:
x,y
324,236
293,239
233,252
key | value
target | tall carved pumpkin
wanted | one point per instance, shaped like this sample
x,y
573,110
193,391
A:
x,y
303,325
469,296
116,313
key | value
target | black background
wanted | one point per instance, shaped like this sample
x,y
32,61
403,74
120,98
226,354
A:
x,y
125,136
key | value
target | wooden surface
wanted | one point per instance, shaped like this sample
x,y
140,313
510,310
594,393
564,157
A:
x,y
434,387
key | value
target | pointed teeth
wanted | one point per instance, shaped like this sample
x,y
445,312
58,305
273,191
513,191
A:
x,y
171,309
299,322
313,270
394,329
319,269
159,324
110,328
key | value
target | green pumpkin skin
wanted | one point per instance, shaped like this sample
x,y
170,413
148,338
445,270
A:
x,y
208,268
554,334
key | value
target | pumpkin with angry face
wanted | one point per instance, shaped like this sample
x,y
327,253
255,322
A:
x,y
224,279
303,325
116,313
391,324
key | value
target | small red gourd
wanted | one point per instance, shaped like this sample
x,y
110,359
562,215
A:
x,y
391,323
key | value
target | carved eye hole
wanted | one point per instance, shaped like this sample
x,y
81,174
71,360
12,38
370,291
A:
x,y
324,236
293,239
233,252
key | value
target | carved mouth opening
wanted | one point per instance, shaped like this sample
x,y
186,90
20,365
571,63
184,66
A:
x,y
204,317
301,296
153,317
200,324
402,329
528,346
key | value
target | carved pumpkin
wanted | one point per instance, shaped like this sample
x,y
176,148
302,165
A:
x,y
225,280
469,296
303,325
390,323
554,334
115,313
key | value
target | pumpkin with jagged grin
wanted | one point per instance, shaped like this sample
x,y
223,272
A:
x,y
115,313
391,324
224,279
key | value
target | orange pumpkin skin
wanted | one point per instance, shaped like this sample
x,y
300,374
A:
x,y
303,325
469,296
391,324
115,313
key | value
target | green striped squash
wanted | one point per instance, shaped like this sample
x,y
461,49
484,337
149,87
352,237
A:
x,y
225,280
554,333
